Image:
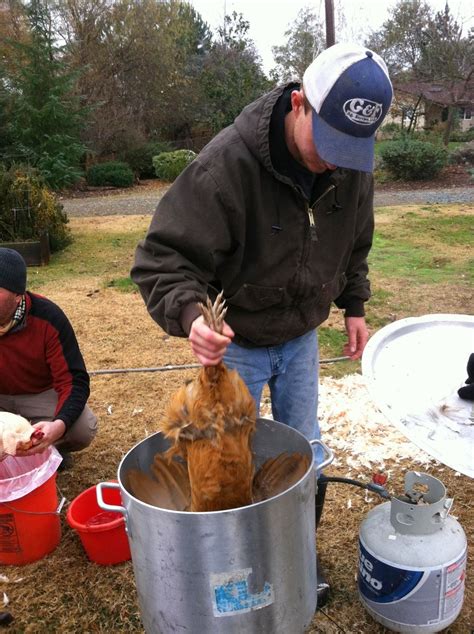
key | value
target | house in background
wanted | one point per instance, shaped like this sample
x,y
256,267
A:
x,y
429,103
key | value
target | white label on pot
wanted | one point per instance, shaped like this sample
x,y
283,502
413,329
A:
x,y
231,594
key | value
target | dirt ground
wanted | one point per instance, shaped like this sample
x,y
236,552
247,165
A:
x,y
65,592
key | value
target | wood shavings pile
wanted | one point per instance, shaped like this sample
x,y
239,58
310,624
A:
x,y
351,423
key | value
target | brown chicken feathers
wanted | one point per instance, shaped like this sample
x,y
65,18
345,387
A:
x,y
210,465
210,422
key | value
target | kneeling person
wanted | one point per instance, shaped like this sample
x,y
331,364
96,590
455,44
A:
x,y
43,376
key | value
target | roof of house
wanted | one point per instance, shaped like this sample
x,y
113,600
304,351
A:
x,y
461,94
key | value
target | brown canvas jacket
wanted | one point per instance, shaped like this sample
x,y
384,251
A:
x,y
231,222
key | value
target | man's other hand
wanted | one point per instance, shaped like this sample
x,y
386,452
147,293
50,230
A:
x,y
357,337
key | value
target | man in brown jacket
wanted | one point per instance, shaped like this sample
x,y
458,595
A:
x,y
276,211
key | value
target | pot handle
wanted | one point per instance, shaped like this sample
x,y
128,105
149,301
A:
x,y
328,454
110,507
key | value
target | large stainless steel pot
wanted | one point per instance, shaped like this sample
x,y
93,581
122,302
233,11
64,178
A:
x,y
249,570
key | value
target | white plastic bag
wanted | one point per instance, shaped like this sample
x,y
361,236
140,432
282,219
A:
x,y
20,476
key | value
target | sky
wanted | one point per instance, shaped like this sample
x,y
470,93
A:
x,y
269,19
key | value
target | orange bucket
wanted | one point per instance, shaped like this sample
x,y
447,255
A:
x,y
102,533
30,527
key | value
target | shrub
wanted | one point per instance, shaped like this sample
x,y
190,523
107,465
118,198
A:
x,y
413,160
140,158
28,209
462,136
169,165
434,135
463,155
389,130
58,171
114,173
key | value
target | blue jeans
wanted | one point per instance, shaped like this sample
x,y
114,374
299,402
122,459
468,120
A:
x,y
291,371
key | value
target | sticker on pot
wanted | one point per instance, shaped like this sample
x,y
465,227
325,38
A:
x,y
231,594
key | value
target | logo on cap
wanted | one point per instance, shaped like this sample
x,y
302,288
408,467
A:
x,y
362,111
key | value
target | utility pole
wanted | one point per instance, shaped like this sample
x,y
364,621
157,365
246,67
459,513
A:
x,y
330,30
224,25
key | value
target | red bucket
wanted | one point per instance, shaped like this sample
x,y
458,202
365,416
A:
x,y
30,527
102,533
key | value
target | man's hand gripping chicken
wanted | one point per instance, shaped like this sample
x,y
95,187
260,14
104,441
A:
x,y
211,421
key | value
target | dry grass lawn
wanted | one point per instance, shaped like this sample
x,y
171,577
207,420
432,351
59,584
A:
x,y
65,592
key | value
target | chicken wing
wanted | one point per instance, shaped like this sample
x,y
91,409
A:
x,y
167,488
279,474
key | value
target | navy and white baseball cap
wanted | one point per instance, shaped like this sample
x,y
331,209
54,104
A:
x,y
350,92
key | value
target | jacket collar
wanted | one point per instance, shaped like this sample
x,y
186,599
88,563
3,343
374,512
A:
x,y
253,125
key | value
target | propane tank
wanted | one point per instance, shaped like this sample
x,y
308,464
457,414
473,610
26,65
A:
x,y
412,559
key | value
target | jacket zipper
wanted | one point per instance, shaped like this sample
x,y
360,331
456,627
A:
x,y
310,209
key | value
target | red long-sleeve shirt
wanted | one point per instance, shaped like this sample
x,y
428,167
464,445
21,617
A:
x,y
42,353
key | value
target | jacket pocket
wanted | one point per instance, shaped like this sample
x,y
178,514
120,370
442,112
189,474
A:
x,y
331,290
254,298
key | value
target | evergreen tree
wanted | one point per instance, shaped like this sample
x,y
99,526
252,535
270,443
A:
x,y
44,115
232,74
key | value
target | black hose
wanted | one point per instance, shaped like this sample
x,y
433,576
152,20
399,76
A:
x,y
369,486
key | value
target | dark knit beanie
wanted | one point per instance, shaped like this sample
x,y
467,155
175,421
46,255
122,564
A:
x,y
12,271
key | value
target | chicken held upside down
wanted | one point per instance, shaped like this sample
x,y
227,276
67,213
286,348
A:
x,y
210,422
